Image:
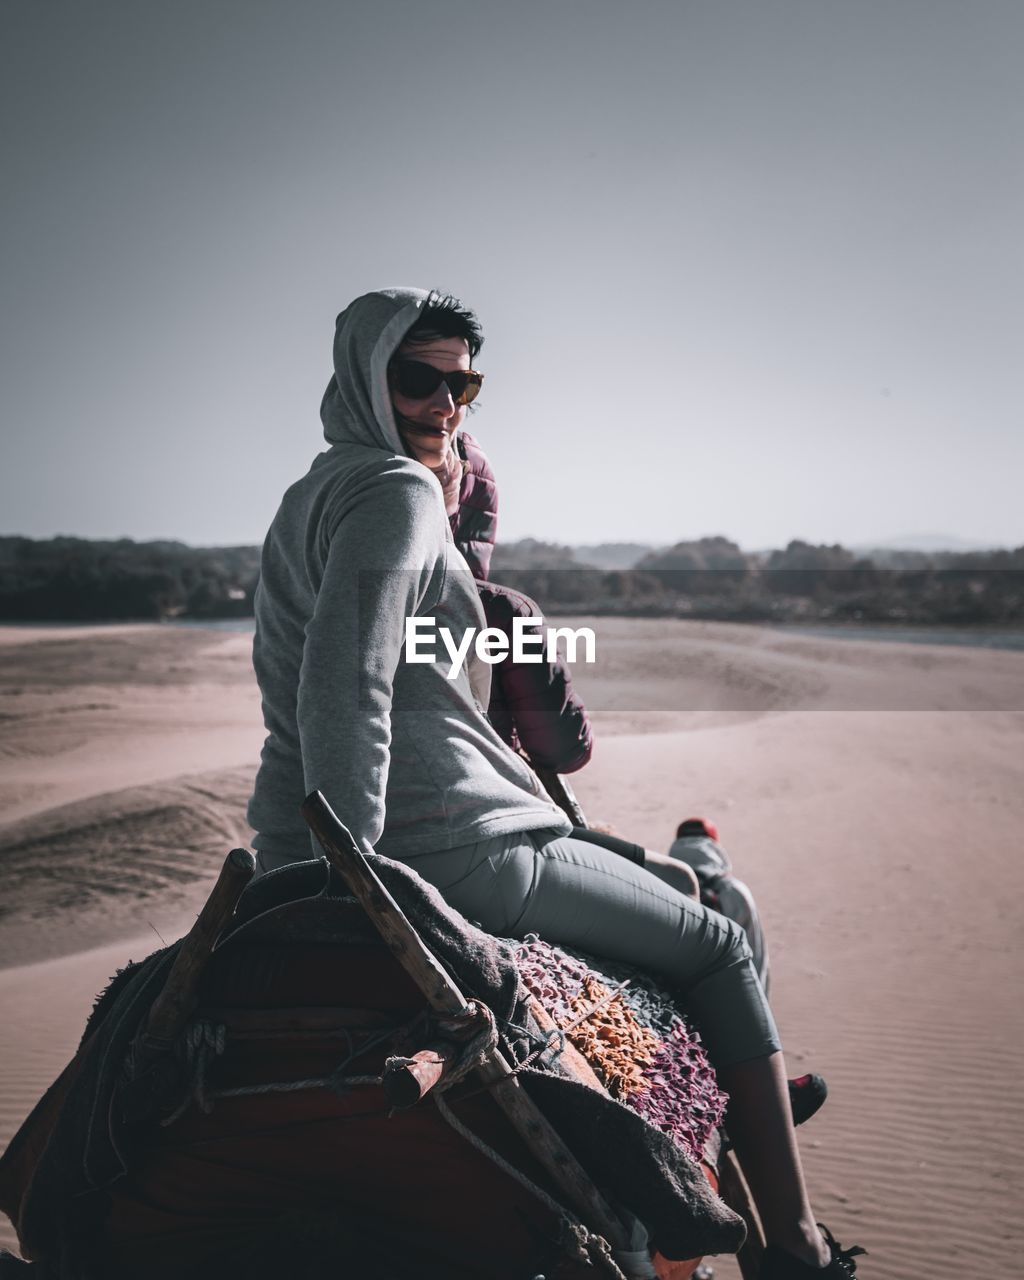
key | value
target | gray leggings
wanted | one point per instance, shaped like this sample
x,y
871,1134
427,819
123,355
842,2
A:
x,y
577,893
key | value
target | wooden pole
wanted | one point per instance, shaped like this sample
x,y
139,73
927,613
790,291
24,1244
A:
x,y
444,996
732,1187
172,1007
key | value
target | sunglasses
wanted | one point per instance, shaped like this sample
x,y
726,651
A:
x,y
416,381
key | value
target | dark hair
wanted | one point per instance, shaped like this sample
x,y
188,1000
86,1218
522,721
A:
x,y
444,316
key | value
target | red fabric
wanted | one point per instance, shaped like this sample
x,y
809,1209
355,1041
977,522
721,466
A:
x,y
213,1179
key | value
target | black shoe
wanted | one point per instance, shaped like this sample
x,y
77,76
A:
x,y
807,1095
777,1264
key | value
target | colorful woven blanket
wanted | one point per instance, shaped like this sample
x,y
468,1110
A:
x,y
633,1035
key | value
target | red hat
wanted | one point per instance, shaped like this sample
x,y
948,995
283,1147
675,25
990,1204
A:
x,y
697,827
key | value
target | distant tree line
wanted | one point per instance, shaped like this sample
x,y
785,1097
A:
x,y
77,580
713,578
73,579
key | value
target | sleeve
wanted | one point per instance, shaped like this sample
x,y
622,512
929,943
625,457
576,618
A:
x,y
385,562
535,701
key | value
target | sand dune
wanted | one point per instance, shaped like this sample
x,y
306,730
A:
x,y
95,711
870,793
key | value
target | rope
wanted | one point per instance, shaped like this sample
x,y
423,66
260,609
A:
x,y
576,1238
203,1041
476,1051
514,1033
295,1086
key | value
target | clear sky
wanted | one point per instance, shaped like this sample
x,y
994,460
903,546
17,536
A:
x,y
749,267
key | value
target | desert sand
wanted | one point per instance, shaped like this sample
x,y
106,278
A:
x,y
872,794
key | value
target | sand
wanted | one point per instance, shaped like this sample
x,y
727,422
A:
x,y
872,794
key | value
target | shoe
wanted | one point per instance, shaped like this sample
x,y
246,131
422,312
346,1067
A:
x,y
777,1264
807,1095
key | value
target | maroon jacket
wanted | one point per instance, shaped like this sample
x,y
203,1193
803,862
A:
x,y
532,705
475,524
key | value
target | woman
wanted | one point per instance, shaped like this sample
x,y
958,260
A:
x,y
407,758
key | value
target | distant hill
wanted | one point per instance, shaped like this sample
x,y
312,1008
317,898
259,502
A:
x,y
923,542
529,553
614,555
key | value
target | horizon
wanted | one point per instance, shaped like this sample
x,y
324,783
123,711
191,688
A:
x,y
746,266
923,543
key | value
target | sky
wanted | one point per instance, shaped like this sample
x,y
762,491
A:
x,y
744,267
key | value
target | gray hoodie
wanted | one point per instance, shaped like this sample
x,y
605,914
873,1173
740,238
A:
x,y
406,757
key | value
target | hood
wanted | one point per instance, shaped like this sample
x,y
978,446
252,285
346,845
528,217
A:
x,y
356,408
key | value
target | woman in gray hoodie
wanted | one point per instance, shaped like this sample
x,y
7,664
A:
x,y
407,758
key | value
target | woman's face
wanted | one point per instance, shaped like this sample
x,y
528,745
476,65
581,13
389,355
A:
x,y
428,425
